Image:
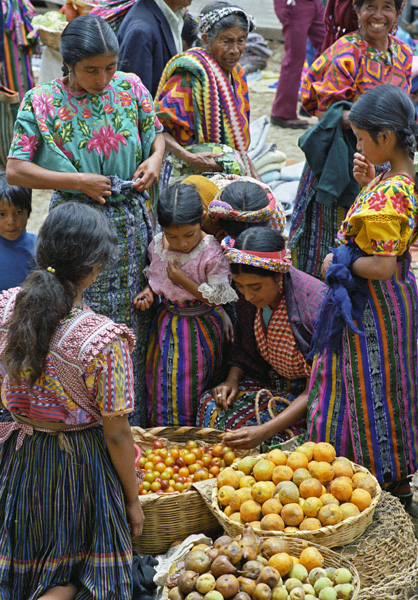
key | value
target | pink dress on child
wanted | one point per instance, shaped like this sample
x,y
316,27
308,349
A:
x,y
185,345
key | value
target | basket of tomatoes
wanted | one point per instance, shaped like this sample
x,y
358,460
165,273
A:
x,y
180,466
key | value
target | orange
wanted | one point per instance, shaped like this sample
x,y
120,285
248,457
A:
x,y
250,511
306,450
272,506
282,562
291,529
292,515
282,473
300,475
328,499
368,483
323,472
348,509
228,511
237,497
311,465
341,489
256,524
356,478
361,498
289,493
236,516
312,506
272,523
310,487
228,477
297,460
261,491
295,560
310,524
330,514
277,456
246,481
310,445
311,558
324,452
341,468
224,493
263,470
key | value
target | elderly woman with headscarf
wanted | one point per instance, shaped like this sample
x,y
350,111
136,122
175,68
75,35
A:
x,y
203,96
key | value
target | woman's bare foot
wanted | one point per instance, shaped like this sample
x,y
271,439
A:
x,y
60,592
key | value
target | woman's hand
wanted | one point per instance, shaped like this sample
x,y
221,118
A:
x,y
326,264
363,170
225,393
175,273
95,186
203,161
246,437
147,173
144,299
135,517
228,327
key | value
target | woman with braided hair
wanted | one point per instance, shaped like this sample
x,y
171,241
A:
x,y
273,331
367,329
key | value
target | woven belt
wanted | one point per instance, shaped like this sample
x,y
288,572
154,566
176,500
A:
x,y
52,425
192,311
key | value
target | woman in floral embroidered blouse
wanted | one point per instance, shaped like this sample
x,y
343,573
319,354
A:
x,y
74,135
371,413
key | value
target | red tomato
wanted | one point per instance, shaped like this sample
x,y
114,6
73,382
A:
x,y
157,444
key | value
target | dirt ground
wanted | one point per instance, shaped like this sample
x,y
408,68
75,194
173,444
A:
x,y
261,98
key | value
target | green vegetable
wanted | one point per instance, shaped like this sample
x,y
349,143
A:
x,y
52,19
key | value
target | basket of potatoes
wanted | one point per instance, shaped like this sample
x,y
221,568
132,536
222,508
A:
x,y
252,568
306,494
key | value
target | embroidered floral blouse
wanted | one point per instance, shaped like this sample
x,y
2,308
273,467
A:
x,y
108,133
383,220
205,264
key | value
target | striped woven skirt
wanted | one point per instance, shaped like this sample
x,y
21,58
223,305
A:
x,y
62,518
183,360
113,292
243,412
313,226
365,401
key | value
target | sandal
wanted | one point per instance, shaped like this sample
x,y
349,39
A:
x,y
405,499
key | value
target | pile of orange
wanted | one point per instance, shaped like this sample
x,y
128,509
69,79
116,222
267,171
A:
x,y
307,489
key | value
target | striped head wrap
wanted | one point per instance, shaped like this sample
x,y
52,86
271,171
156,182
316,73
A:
x,y
218,209
209,19
278,261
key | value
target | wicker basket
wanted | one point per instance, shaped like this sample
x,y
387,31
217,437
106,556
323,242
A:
x,y
172,517
50,37
386,554
330,536
332,559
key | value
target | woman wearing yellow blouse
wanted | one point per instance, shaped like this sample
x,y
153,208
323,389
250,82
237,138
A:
x,y
364,389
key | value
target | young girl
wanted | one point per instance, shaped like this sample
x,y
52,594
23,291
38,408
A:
x,y
67,465
371,415
191,274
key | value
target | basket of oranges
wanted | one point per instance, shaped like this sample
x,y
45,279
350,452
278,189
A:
x,y
179,466
307,494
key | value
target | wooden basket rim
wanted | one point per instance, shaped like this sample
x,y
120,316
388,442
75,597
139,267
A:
x,y
327,530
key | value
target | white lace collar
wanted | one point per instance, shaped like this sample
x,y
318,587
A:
x,y
180,257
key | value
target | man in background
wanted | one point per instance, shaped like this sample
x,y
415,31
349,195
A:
x,y
151,34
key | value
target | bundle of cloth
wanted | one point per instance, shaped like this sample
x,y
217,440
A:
x,y
256,53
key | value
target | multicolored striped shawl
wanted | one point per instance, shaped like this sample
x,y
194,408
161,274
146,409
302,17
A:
x,y
197,103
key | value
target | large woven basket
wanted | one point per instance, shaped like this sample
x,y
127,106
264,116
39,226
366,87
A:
x,y
332,559
330,536
50,37
386,554
173,517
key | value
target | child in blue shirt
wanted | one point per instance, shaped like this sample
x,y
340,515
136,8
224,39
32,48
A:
x,y
17,246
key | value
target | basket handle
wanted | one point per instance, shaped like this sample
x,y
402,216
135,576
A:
x,y
271,406
205,431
